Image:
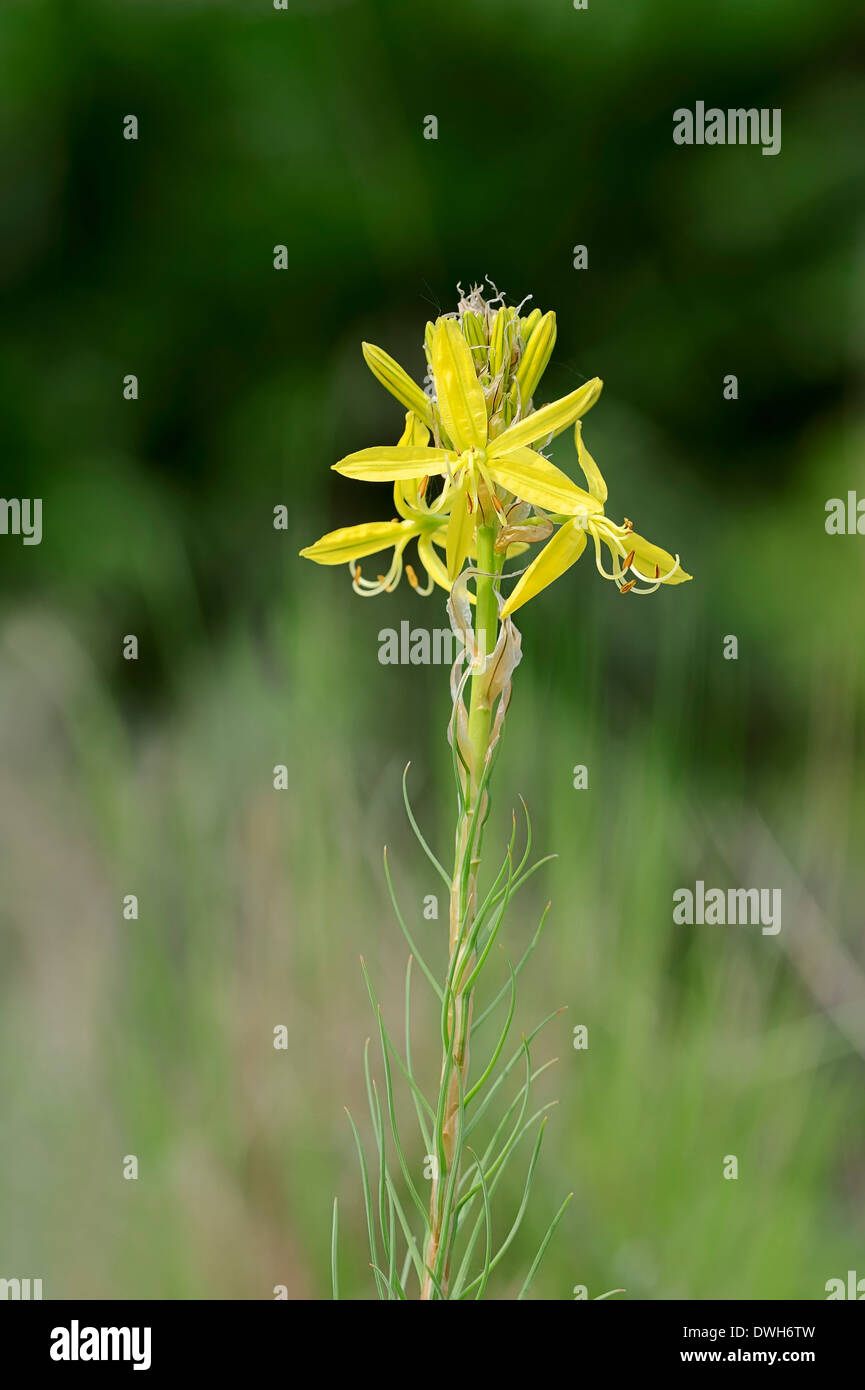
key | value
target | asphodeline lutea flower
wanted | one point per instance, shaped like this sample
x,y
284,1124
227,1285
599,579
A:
x,y
470,456
638,566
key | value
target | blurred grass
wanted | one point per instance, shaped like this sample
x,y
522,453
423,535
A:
x,y
155,1037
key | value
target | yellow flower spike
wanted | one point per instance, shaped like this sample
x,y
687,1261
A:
x,y
397,381
536,356
565,548
485,365
354,542
591,471
389,463
459,394
533,478
460,530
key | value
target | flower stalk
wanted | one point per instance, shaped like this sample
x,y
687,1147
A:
x,y
463,906
473,489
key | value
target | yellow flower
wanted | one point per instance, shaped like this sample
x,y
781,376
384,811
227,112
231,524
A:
x,y
638,566
419,522
466,455
476,432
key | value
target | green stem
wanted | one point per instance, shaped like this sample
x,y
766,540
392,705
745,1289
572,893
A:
x,y
486,632
463,906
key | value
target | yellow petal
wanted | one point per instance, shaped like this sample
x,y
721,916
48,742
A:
x,y
528,325
500,350
648,556
397,381
591,471
536,355
405,496
415,433
461,527
473,332
548,420
431,562
534,479
388,463
565,548
458,391
353,542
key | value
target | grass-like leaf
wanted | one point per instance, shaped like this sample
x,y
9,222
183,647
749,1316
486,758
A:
x,y
482,1080
439,868
367,1197
334,1250
389,1097
407,934
543,1248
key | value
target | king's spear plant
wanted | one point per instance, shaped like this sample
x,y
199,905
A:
x,y
475,495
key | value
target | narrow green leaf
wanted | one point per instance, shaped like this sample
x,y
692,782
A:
x,y
420,839
499,1256
334,1250
490,1009
407,934
485,1272
479,1084
543,1250
367,1196
391,1104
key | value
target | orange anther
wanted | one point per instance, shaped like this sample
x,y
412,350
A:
x,y
629,525
657,571
411,576
626,588
629,560
422,487
469,503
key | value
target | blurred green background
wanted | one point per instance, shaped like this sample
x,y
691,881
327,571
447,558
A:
x,y
304,127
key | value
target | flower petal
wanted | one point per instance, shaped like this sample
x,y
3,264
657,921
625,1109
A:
x,y
458,392
431,562
550,419
591,471
461,525
394,379
536,355
389,463
353,542
405,492
648,556
565,548
415,433
534,479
